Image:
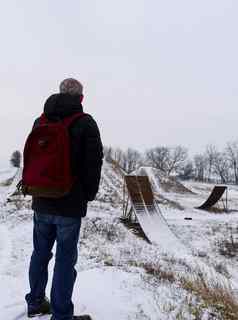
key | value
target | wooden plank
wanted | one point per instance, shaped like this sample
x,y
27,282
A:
x,y
133,190
146,190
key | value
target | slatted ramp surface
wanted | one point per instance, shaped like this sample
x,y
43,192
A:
x,y
214,197
149,216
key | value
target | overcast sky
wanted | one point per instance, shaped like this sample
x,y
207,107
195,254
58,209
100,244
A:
x,y
155,72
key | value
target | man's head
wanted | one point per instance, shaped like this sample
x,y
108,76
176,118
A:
x,y
71,86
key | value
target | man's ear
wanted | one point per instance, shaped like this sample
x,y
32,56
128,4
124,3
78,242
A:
x,y
81,98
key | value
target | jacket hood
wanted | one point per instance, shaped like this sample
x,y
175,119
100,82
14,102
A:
x,y
61,105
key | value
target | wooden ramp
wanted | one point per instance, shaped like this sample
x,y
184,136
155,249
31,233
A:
x,y
214,197
149,215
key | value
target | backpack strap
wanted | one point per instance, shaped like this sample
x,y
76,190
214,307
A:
x,y
69,120
42,120
66,121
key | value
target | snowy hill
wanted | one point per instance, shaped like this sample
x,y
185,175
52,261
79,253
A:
x,y
6,175
120,275
111,185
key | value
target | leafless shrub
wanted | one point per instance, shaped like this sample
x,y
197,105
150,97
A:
x,y
155,270
110,231
228,246
222,269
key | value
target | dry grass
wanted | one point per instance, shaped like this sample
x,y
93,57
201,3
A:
x,y
156,271
216,209
215,295
109,231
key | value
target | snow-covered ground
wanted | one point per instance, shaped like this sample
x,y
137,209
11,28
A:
x,y
7,173
113,278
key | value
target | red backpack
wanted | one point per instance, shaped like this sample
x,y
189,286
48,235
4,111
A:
x,y
47,167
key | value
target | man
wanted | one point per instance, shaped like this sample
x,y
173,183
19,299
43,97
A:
x,y
59,219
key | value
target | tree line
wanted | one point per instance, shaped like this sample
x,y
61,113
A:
x,y
212,165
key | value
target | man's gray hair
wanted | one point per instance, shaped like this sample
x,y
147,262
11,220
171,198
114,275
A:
x,y
71,86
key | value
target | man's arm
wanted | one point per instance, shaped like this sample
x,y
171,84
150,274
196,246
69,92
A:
x,y
93,159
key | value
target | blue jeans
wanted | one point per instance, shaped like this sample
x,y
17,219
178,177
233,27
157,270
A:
x,y
47,230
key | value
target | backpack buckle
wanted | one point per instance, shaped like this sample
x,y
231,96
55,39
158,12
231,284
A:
x,y
42,143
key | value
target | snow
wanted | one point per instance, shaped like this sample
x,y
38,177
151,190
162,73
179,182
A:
x,y
13,187
5,247
120,294
7,173
112,281
101,292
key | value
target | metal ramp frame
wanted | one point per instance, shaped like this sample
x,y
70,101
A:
x,y
214,197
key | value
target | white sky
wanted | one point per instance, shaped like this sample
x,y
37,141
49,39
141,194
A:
x,y
155,72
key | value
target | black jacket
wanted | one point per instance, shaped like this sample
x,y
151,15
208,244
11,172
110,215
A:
x,y
86,158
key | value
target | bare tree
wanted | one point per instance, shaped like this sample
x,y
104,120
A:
x,y
210,154
16,159
107,151
177,158
118,155
186,171
114,155
200,166
131,160
168,160
221,166
158,157
128,160
232,157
